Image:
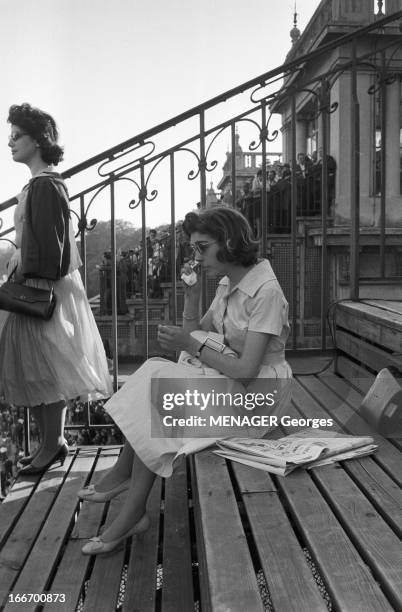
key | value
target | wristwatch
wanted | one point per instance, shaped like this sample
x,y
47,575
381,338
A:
x,y
213,344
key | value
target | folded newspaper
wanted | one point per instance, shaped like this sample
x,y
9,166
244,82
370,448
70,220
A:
x,y
306,448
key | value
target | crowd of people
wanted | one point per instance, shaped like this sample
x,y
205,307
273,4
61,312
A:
x,y
12,443
129,269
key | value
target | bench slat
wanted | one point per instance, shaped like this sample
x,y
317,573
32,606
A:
x,y
44,534
142,569
231,579
372,311
387,455
372,356
369,329
73,566
376,542
290,582
104,585
348,580
177,591
356,374
380,488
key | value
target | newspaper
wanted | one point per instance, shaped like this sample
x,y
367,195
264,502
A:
x,y
302,449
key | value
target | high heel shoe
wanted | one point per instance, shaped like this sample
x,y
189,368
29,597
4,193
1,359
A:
x,y
96,546
31,470
89,493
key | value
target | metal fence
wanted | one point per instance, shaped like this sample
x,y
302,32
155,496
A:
x,y
142,159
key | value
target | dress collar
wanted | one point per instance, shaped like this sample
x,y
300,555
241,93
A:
x,y
257,276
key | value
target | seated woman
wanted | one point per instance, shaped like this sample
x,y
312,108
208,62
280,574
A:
x,y
251,313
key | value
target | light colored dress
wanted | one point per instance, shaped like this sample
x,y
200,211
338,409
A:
x,y
43,362
257,304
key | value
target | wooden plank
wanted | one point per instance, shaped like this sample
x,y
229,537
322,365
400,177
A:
x,y
342,388
372,312
358,376
306,397
348,580
13,505
140,591
353,397
105,579
375,331
203,579
177,591
381,489
288,576
73,567
231,579
25,535
378,545
393,306
372,356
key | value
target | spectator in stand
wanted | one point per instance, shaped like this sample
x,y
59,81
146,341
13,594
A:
x,y
286,174
256,185
303,166
271,179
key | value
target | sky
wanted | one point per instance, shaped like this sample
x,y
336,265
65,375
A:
x,y
109,70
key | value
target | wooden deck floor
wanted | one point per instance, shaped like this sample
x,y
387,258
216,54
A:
x,y
223,537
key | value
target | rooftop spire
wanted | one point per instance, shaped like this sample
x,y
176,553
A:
x,y
294,32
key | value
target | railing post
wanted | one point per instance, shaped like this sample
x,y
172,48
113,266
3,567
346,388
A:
x,y
264,208
383,100
173,241
354,181
324,100
144,262
203,199
113,284
83,246
233,169
293,225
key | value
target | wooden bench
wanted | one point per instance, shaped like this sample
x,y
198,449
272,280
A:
x,y
368,336
224,537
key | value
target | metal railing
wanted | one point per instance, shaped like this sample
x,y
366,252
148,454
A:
x,y
193,134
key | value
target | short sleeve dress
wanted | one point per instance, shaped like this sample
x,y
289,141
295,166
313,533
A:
x,y
43,362
256,303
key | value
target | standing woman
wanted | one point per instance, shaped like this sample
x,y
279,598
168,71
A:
x,y
46,363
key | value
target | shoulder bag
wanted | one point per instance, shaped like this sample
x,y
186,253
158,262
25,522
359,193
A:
x,y
26,300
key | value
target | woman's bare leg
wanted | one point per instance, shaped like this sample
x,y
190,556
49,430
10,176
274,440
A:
x,y
52,417
37,414
134,506
120,472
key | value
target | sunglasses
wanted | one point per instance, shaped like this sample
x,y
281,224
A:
x,y
17,136
201,247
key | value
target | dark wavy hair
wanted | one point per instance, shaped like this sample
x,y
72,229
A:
x,y
230,229
41,127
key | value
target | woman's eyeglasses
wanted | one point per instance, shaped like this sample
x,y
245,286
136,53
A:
x,y
17,136
201,246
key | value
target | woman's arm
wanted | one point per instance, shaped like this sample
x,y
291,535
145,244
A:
x,y
247,365
244,367
45,244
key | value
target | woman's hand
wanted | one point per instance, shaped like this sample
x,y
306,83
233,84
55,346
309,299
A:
x,y
172,338
192,288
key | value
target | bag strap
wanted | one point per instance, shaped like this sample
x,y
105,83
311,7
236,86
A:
x,y
12,273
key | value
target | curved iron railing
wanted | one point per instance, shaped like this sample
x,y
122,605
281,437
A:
x,y
140,158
